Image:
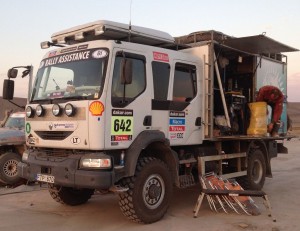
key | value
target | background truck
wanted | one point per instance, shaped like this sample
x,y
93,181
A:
x,y
12,146
134,111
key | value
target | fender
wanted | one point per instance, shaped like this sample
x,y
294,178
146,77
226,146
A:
x,y
143,140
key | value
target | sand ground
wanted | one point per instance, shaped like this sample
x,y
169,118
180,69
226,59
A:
x,y
30,208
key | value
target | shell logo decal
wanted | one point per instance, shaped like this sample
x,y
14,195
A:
x,y
96,108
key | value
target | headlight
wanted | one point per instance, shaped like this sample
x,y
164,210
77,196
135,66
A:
x,y
25,156
69,109
95,161
29,112
39,110
56,110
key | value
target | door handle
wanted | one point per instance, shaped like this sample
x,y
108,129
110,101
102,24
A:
x,y
198,121
147,120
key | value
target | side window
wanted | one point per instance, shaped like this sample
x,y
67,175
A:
x,y
161,77
185,82
124,94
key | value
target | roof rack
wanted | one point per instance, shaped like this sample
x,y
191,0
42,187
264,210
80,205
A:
x,y
258,44
109,30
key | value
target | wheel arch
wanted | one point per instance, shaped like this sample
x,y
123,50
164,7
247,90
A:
x,y
18,149
155,144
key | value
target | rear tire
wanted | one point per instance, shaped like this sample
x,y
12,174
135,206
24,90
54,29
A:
x,y
150,191
256,171
8,168
69,196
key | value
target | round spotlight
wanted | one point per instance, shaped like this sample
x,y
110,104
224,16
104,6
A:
x,y
69,109
56,110
39,110
29,112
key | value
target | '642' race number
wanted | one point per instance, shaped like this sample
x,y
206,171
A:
x,y
122,125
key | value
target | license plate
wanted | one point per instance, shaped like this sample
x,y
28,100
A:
x,y
45,178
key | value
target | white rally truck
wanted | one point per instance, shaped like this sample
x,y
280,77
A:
x,y
133,110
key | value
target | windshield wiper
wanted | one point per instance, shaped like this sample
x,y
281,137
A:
x,y
41,101
50,101
76,97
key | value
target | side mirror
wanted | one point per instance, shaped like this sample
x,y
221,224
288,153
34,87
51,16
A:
x,y
8,89
12,73
126,71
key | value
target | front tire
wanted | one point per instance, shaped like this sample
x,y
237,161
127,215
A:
x,y
69,196
256,171
8,168
150,191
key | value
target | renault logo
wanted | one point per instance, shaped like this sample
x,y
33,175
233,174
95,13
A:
x,y
50,126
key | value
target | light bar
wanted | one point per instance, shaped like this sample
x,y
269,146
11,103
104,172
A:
x,y
61,40
79,36
99,30
109,30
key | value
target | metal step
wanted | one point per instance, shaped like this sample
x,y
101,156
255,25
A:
x,y
186,181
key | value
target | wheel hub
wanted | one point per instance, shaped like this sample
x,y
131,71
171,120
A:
x,y
10,168
153,191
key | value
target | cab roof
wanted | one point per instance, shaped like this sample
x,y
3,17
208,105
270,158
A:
x,y
104,29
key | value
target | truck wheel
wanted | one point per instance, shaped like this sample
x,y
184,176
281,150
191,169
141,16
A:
x,y
256,172
150,191
69,196
8,168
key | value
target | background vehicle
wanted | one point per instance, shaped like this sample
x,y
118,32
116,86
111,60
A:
x,y
128,109
12,146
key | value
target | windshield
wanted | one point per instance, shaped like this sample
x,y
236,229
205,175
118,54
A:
x,y
15,122
77,75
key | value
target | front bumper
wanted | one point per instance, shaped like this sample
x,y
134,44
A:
x,y
66,172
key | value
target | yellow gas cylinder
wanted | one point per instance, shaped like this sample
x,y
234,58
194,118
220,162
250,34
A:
x,y
258,119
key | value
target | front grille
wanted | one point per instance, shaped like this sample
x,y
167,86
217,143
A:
x,y
54,153
53,135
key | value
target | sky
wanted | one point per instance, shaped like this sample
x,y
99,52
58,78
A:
x,y
24,24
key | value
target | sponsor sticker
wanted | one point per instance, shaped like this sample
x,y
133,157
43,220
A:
x,y
176,125
177,121
69,49
99,54
28,128
176,128
121,138
72,54
83,47
62,126
55,95
96,108
121,125
52,53
158,56
75,140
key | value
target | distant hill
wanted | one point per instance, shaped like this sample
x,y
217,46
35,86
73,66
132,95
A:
x,y
294,113
5,105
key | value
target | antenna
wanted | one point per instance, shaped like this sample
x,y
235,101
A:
x,y
130,21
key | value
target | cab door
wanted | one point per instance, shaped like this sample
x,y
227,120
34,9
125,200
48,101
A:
x,y
185,115
177,104
127,105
